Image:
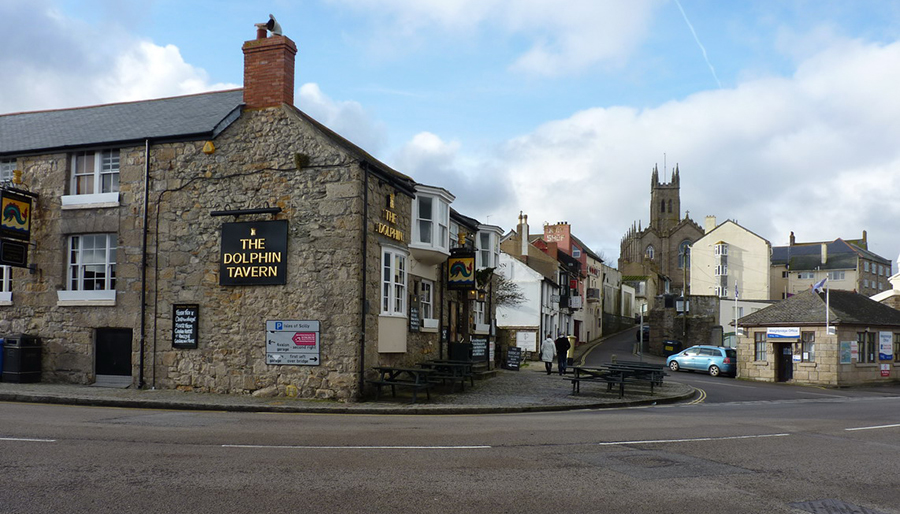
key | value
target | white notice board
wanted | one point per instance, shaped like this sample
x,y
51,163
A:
x,y
526,340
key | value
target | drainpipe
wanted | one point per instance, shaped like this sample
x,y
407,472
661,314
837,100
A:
x,y
363,300
144,264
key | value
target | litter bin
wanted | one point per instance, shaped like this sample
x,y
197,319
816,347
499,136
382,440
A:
x,y
21,359
671,347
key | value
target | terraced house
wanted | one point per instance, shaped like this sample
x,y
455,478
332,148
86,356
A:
x,y
228,242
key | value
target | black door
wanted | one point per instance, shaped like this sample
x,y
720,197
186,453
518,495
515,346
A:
x,y
113,354
785,362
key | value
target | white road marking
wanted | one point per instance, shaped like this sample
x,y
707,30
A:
x,y
22,439
658,441
357,447
872,428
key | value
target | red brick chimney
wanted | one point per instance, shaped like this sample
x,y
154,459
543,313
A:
x,y
268,71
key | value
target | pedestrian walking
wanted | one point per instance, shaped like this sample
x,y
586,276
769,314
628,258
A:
x,y
548,351
562,353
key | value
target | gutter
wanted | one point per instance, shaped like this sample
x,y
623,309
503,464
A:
x,y
144,265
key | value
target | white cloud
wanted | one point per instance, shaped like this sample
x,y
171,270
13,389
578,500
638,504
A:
x,y
347,118
53,61
815,153
563,39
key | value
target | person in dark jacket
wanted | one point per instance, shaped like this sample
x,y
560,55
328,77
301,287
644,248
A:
x,y
562,353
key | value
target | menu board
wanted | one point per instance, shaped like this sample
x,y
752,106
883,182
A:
x,y
479,349
513,358
185,323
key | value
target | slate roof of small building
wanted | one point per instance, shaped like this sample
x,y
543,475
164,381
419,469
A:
x,y
808,308
184,117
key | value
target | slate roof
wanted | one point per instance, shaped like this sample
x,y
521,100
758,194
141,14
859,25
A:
x,y
179,118
808,308
841,255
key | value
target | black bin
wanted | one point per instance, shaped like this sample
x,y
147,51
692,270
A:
x,y
21,359
460,351
671,347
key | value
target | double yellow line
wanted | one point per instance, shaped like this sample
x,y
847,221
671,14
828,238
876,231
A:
x,y
698,399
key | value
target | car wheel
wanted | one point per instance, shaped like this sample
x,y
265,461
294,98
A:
x,y
714,371
674,366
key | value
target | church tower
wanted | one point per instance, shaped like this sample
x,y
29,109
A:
x,y
665,202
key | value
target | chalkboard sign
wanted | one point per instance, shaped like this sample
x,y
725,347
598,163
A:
x,y
185,323
513,358
479,349
414,320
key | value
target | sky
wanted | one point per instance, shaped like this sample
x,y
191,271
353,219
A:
x,y
781,115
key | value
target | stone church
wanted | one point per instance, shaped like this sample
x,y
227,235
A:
x,y
656,259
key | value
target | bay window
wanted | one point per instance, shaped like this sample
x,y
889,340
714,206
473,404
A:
x,y
431,219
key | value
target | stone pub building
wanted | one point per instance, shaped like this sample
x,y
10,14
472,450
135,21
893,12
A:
x,y
227,242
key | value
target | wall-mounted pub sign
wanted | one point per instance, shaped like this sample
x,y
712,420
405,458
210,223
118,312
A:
x,y
462,270
15,221
254,253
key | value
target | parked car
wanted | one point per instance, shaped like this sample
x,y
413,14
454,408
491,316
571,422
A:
x,y
642,330
714,360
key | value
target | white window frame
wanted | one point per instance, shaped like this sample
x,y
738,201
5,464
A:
x,y
426,299
394,277
437,219
866,265
106,164
722,249
83,253
6,169
836,275
806,275
5,285
488,257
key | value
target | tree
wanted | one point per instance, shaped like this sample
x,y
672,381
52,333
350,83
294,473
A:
x,y
506,292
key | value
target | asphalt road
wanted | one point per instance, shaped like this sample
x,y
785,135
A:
x,y
735,457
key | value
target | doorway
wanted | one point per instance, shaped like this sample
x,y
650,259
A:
x,y
112,356
785,362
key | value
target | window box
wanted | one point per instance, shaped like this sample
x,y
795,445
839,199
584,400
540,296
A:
x,y
93,201
86,298
430,324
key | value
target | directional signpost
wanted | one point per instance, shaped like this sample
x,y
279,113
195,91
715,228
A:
x,y
293,343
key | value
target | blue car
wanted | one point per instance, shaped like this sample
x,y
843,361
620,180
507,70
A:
x,y
714,360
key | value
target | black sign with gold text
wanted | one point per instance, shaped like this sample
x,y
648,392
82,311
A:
x,y
254,253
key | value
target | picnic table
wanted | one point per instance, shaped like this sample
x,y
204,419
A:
x,y
613,374
642,370
450,370
416,379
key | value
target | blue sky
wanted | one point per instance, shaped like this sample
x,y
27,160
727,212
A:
x,y
781,114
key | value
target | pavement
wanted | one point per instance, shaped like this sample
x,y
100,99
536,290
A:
x,y
528,390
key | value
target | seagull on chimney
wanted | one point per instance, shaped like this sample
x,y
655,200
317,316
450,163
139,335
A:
x,y
273,26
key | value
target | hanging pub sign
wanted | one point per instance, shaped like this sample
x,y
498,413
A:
x,y
13,253
15,221
461,275
254,253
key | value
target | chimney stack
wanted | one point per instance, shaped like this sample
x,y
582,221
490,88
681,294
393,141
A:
x,y
268,71
709,224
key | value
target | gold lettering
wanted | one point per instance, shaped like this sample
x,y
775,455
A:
x,y
253,244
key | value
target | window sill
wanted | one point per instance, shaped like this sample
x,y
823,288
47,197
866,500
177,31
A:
x,y
86,298
760,363
97,201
